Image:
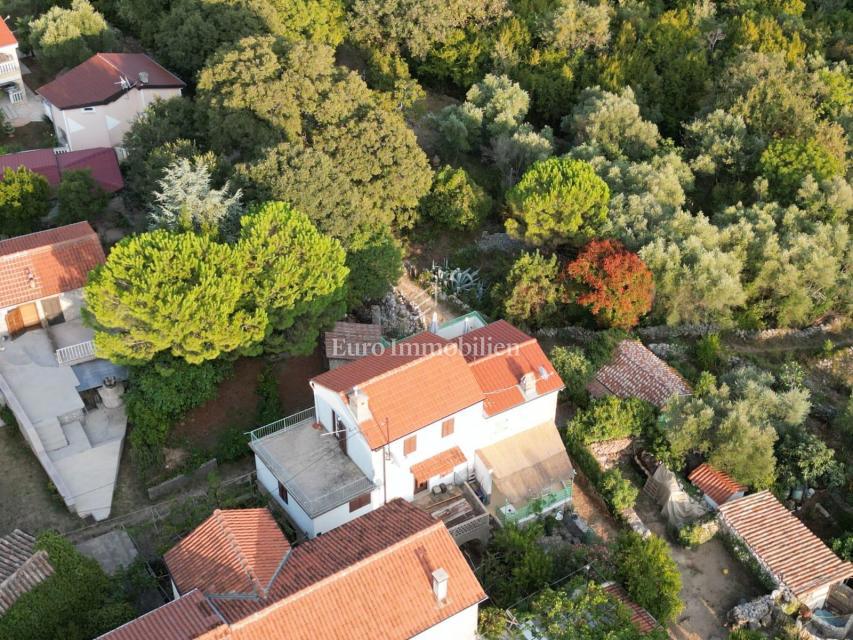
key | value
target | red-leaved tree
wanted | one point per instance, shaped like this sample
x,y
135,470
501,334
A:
x,y
612,282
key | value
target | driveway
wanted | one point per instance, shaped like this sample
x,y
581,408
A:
x,y
712,581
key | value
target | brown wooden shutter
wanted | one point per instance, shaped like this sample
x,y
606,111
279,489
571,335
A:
x,y
410,445
14,322
447,428
361,501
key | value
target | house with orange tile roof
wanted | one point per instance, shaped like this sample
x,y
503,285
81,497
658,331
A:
x,y
11,81
793,556
463,417
717,486
395,574
95,103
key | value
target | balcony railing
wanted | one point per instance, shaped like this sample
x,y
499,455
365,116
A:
x,y
536,506
280,425
76,353
9,67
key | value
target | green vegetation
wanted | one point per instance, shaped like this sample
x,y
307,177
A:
x,y
80,197
649,574
24,200
79,601
456,201
64,37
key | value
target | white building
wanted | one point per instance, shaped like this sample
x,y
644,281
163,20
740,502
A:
x,y
428,412
11,81
95,103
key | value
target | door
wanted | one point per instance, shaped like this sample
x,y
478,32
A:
x,y
30,315
52,309
340,431
14,322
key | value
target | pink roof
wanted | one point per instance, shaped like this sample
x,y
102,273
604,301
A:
x,y
46,263
635,372
7,38
97,80
101,161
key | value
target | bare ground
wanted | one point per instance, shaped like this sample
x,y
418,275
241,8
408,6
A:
x,y
712,581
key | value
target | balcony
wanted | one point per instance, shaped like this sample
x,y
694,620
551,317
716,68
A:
x,y
76,353
508,513
291,421
461,511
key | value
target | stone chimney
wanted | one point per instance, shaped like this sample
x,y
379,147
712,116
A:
x,y
528,385
358,405
439,585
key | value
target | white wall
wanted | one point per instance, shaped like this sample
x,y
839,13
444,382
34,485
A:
x,y
326,401
520,418
462,626
69,301
104,125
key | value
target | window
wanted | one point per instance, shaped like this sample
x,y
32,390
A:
x,y
420,486
282,492
410,445
89,109
447,428
361,501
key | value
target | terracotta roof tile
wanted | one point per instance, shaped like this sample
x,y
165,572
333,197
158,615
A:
x,y
414,383
96,80
796,556
186,618
499,355
101,161
21,567
716,484
370,578
642,619
352,340
235,551
438,465
47,263
7,38
635,372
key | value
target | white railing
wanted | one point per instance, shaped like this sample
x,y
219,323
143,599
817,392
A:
x,y
9,67
76,353
280,425
63,149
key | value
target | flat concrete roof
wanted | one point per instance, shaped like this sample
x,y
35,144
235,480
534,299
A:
x,y
308,461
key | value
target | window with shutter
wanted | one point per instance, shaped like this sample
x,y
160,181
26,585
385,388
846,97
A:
x,y
447,428
357,503
410,445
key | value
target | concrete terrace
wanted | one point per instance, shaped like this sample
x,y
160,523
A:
x,y
309,462
79,448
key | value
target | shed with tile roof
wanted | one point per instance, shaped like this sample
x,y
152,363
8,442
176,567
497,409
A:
x,y
22,568
717,486
794,556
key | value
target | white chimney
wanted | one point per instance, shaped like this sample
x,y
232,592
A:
x,y
358,405
143,77
528,385
439,585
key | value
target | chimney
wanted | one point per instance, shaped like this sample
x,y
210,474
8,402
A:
x,y
358,405
143,77
439,585
528,385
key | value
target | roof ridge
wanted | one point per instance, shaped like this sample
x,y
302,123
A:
x,y
337,574
503,351
236,548
406,365
35,233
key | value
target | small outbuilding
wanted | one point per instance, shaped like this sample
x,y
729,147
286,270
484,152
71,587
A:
x,y
784,547
348,341
717,486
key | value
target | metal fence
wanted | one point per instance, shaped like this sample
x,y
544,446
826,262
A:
x,y
536,506
280,425
76,353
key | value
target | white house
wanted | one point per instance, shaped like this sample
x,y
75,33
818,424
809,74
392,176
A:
x,y
395,574
427,413
95,103
10,69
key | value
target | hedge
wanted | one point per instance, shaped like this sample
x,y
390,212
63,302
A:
x,y
618,492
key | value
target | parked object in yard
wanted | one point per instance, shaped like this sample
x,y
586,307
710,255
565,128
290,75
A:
x,y
676,505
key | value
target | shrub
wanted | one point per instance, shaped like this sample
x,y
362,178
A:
x,y
649,574
709,352
456,201
515,565
610,417
24,200
77,602
232,445
576,371
80,197
618,491
531,293
698,532
269,400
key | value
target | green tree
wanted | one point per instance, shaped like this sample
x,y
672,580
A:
x,y
321,21
575,370
375,264
80,197
557,201
649,574
24,200
186,201
786,162
610,417
65,37
175,292
456,201
575,25
514,565
530,295
618,490
805,458
77,602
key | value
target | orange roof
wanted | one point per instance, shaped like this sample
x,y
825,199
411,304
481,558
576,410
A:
x,y
369,578
499,354
7,38
438,465
47,263
412,384
186,618
236,551
641,618
635,372
792,553
716,484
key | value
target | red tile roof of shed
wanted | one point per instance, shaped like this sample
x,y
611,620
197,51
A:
x,y
234,551
438,465
641,618
716,484
101,161
7,38
352,340
635,372
186,618
47,263
784,544
97,80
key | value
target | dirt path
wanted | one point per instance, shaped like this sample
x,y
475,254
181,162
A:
x,y
424,301
590,507
712,582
